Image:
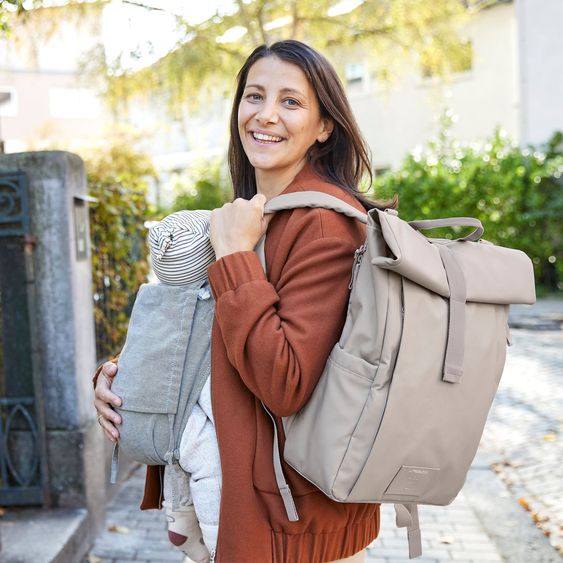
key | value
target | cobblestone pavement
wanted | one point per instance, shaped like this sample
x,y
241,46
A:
x,y
131,534
522,437
524,432
451,533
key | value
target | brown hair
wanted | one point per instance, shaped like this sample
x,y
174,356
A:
x,y
342,159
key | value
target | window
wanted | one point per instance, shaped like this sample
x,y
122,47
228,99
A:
x,y
74,103
8,102
354,73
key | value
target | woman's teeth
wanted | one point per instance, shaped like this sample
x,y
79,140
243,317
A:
x,y
267,138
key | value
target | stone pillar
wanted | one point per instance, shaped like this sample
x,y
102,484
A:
x,y
77,452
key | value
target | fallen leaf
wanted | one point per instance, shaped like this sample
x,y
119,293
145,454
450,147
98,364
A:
x,y
550,437
539,518
524,503
117,529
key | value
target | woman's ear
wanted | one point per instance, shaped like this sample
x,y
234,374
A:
x,y
327,127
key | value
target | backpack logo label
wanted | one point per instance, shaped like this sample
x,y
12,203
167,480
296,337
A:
x,y
412,481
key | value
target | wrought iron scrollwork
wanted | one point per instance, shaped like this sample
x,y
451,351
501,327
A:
x,y
18,472
14,206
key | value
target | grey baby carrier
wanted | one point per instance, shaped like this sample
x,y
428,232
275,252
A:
x,y
162,369
400,408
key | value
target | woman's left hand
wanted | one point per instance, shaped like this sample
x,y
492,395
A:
x,y
238,226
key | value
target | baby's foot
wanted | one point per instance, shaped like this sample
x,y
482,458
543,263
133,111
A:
x,y
185,534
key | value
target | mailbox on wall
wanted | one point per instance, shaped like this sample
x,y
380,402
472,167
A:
x,y
81,225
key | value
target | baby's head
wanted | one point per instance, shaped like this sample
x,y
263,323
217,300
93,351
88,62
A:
x,y
180,247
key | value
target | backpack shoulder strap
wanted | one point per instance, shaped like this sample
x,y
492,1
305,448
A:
x,y
279,203
307,199
313,199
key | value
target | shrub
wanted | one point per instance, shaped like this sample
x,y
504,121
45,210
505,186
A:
x,y
116,177
516,193
206,185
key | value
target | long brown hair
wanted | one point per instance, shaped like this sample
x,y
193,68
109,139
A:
x,y
343,159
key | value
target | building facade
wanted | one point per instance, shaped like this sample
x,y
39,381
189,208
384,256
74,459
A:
x,y
512,80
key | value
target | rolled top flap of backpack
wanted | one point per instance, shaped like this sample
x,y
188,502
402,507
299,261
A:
x,y
493,274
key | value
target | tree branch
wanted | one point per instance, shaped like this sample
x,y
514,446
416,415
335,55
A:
x,y
260,17
148,7
247,21
296,21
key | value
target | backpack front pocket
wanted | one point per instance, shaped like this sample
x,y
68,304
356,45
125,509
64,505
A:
x,y
324,427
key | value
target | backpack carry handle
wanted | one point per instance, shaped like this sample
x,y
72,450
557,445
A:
x,y
474,236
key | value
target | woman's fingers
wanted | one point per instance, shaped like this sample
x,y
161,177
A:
x,y
109,430
237,226
107,412
104,383
109,369
107,417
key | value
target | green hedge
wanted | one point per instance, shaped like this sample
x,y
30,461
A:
x,y
206,185
516,193
116,178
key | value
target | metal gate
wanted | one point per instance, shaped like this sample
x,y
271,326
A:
x,y
22,428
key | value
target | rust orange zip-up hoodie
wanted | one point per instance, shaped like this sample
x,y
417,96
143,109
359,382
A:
x,y
271,338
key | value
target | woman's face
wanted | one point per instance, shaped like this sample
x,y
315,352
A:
x,y
278,115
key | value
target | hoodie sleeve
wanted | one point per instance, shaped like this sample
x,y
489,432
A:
x,y
279,338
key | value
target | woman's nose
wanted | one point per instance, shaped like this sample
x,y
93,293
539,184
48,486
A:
x,y
267,114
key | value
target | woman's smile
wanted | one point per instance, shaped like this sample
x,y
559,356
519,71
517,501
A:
x,y
264,138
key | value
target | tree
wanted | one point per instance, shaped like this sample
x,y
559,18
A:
x,y
209,53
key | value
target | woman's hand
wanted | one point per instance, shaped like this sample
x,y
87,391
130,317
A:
x,y
238,226
107,417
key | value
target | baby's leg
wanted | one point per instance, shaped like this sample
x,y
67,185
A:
x,y
199,457
183,527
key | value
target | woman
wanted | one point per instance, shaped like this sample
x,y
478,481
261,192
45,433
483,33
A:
x,y
291,129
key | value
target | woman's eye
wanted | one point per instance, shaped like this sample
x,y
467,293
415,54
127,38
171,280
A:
x,y
254,97
291,102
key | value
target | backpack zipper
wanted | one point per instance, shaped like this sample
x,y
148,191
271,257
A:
x,y
358,256
213,552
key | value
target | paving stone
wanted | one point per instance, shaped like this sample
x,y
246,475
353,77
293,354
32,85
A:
x,y
523,414
478,556
159,556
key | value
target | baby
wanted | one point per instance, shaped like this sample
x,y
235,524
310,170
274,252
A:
x,y
163,366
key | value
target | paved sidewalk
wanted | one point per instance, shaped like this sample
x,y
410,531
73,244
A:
x,y
494,517
524,433
131,534
451,533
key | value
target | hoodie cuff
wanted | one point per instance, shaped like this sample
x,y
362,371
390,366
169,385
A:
x,y
234,270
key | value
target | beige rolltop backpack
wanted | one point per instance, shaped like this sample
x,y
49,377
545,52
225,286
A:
x,y
400,407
